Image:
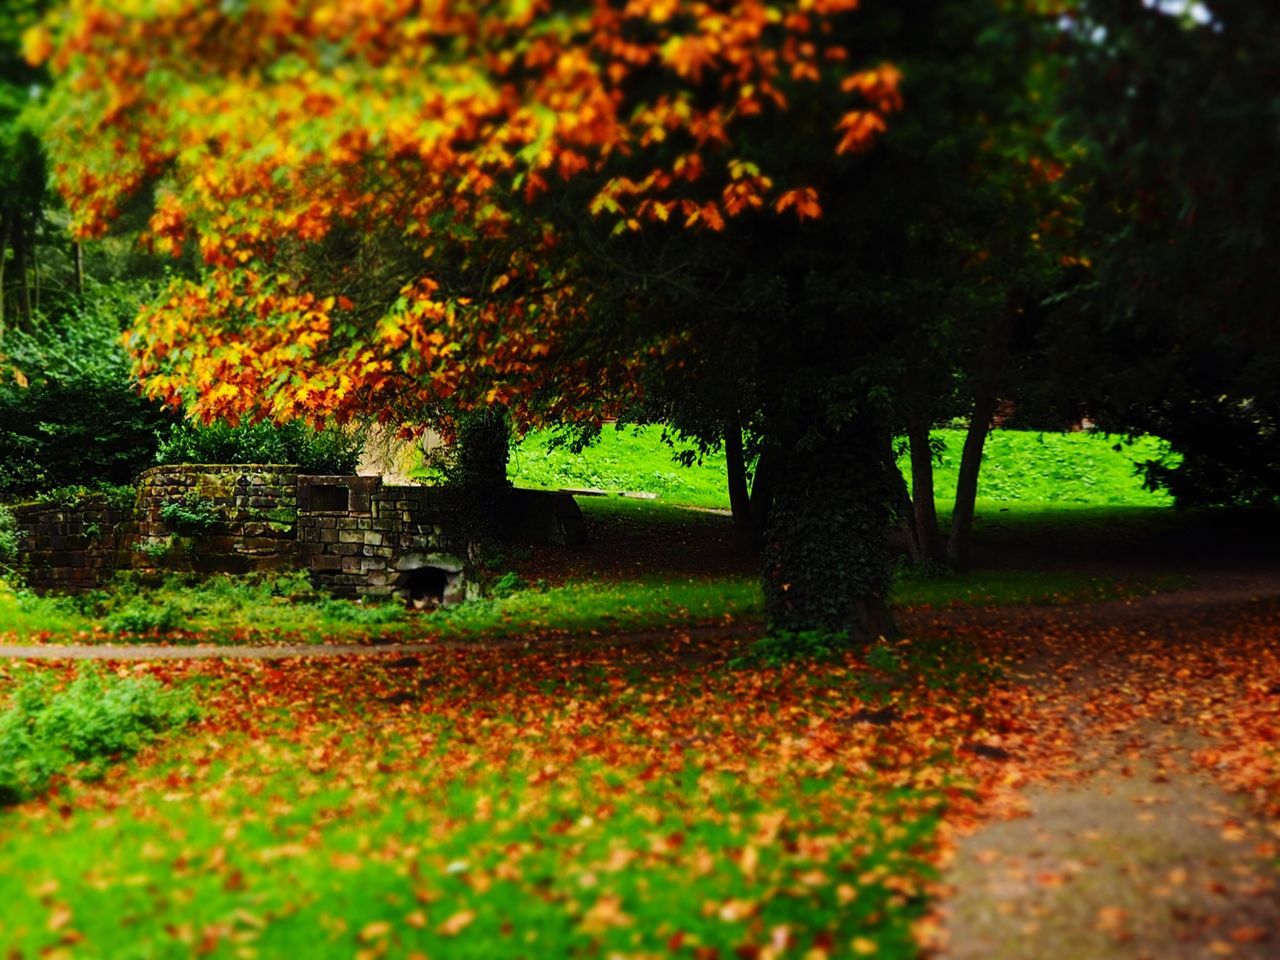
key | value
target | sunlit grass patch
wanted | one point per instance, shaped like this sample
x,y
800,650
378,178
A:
x,y
1025,588
1019,466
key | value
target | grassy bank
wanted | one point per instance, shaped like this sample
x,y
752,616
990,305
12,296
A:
x,y
1018,467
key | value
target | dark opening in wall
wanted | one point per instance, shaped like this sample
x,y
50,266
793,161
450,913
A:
x,y
425,588
329,498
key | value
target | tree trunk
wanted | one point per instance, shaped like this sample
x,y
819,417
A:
x,y
6,227
984,410
480,475
826,557
958,546
19,239
907,517
739,493
77,256
922,498
762,496
34,253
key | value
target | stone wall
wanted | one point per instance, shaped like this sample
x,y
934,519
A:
x,y
382,533
255,506
72,548
356,536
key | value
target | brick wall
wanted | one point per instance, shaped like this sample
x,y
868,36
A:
x,y
72,549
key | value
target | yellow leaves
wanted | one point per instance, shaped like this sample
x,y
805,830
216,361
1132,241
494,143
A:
x,y
455,924
737,910
603,202
860,128
37,45
376,930
59,918
604,914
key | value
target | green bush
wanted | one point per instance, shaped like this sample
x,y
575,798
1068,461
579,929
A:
x,y
79,418
780,647
191,515
138,616
8,539
96,719
120,496
334,450
365,615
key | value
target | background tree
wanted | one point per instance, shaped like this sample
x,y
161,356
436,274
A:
x,y
22,170
1173,330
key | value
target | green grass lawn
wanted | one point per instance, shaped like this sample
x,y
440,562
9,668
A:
x,y
248,609
1018,466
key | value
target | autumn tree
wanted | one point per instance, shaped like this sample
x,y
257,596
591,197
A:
x,y
406,210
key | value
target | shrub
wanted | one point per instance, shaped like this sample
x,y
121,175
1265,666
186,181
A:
x,y
138,617
8,539
191,515
79,419
365,615
120,496
96,719
780,647
334,450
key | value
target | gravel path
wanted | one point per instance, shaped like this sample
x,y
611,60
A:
x,y
1139,854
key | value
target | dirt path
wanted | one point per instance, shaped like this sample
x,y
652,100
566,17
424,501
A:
x,y
212,651
1135,851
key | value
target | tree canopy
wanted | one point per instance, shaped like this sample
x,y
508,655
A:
x,y
367,184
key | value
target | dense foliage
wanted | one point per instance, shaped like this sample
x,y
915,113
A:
x,y
1174,331
425,209
8,539
71,413
325,451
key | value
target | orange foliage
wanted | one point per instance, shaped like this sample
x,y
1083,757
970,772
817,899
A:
x,y
272,135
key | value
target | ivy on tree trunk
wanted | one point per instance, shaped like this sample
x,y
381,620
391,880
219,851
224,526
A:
x,y
479,473
826,552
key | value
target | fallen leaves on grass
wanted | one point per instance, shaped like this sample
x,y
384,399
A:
x,y
596,800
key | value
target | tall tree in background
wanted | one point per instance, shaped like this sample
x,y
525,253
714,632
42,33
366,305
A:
x,y
1175,111
953,236
22,169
